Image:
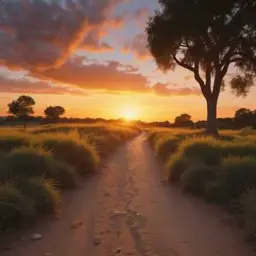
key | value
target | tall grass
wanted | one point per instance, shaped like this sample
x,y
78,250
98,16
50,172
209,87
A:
x,y
166,145
42,193
36,165
15,207
72,150
221,170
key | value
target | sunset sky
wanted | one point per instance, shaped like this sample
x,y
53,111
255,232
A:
x,y
91,58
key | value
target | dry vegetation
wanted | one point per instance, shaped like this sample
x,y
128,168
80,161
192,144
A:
x,y
37,164
222,170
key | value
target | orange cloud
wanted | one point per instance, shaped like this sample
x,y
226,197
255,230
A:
x,y
165,90
92,42
38,35
137,47
28,85
110,77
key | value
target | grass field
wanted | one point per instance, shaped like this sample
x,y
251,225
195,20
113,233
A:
x,y
37,164
222,171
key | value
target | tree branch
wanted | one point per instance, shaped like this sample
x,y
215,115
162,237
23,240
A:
x,y
184,65
204,88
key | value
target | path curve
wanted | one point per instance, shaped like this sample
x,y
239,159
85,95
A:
x,y
129,210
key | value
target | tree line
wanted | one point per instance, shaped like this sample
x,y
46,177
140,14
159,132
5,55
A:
x,y
23,108
243,117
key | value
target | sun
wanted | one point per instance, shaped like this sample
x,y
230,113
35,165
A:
x,y
129,113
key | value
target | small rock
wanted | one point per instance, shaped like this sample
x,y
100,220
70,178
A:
x,y
106,194
116,213
35,237
96,241
76,224
48,254
118,250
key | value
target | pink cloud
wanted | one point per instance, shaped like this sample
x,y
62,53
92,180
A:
x,y
110,76
138,47
165,90
28,85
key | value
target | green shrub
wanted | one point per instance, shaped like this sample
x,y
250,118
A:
x,y
4,170
215,192
24,163
166,145
204,150
14,207
65,176
42,193
239,174
248,206
151,137
195,178
176,165
108,144
239,148
8,142
78,154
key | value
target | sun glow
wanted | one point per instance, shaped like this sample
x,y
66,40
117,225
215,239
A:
x,y
129,113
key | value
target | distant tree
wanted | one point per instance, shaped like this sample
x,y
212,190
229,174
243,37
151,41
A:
x,y
184,120
22,108
245,117
53,113
207,38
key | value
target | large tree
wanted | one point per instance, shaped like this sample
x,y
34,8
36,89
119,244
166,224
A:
x,y
54,113
207,37
22,108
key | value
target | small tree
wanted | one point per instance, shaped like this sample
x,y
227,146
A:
x,y
206,37
184,120
22,108
54,113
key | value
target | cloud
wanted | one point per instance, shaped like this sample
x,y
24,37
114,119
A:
x,y
108,77
165,90
189,77
34,86
137,46
92,42
37,35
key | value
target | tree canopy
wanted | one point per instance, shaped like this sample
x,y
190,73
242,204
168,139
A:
x,y
54,112
183,120
207,38
22,107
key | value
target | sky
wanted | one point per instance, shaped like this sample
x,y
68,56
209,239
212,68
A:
x,y
90,57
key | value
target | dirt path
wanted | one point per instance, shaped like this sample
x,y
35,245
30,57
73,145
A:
x,y
128,210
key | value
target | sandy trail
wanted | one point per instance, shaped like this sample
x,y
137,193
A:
x,y
128,210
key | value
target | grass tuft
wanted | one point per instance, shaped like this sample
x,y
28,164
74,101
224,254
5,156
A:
x,y
42,193
15,208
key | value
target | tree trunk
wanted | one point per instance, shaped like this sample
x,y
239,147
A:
x,y
212,128
24,125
